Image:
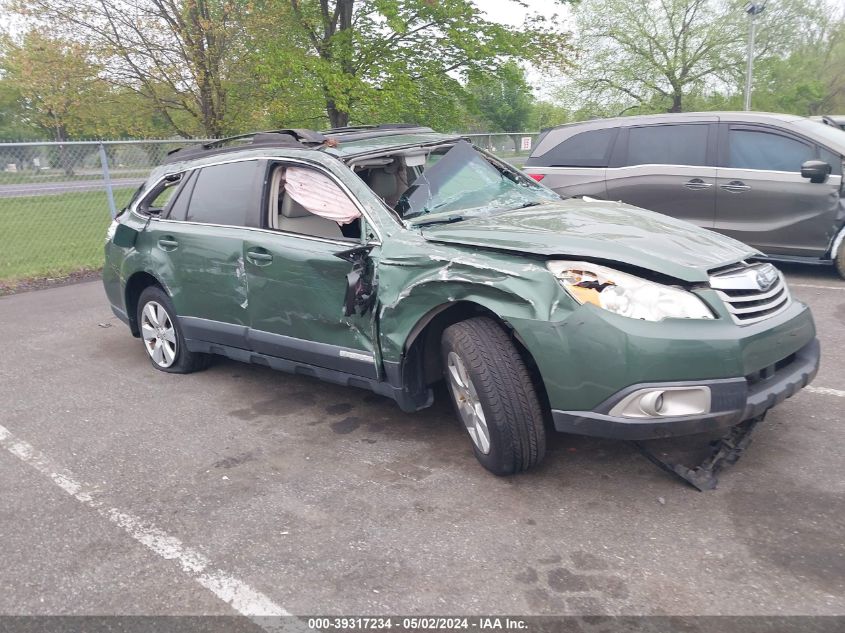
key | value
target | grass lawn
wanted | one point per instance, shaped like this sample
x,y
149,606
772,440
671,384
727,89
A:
x,y
50,236
55,175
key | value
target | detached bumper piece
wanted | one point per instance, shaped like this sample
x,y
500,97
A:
x,y
725,451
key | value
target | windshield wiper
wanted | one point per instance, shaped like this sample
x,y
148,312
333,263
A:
x,y
446,220
524,205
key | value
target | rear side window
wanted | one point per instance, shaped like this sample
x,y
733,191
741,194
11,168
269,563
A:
x,y
161,196
587,149
667,145
750,149
179,207
225,194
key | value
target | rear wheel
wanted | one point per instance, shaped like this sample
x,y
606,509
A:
x,y
162,335
493,395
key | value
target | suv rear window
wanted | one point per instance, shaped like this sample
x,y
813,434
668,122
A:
x,y
586,149
668,145
225,194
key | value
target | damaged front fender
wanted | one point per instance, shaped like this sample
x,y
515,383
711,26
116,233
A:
x,y
417,277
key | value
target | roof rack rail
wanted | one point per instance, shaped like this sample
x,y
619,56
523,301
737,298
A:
x,y
349,128
397,126
301,137
380,126
293,137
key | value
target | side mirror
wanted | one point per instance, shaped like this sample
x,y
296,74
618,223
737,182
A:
x,y
816,170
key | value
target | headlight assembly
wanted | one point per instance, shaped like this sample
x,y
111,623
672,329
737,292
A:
x,y
626,294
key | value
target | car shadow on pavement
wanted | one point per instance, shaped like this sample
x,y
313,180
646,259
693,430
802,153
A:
x,y
327,414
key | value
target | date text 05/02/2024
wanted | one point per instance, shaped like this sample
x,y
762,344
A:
x,y
417,623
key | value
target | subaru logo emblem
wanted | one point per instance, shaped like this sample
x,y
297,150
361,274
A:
x,y
767,275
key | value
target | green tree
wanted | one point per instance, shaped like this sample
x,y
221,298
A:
x,y
809,79
15,123
176,54
503,98
646,55
640,56
365,58
546,114
58,85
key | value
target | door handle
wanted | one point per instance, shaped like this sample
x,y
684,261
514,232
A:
x,y
167,243
697,183
736,186
259,257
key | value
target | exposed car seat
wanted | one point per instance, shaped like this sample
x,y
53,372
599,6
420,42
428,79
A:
x,y
385,183
295,218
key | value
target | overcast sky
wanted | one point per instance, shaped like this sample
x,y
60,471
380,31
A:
x,y
509,12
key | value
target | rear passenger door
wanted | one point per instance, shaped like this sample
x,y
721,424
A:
x,y
200,246
668,168
762,199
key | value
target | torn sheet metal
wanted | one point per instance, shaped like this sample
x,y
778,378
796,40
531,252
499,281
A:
x,y
242,286
414,277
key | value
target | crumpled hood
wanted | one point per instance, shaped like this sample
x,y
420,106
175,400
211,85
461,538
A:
x,y
598,229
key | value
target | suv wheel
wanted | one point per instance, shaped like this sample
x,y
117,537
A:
x,y
840,260
494,396
162,335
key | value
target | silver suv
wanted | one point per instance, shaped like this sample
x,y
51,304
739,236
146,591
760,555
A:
x,y
773,181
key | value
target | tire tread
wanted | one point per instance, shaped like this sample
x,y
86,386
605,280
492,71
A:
x,y
500,372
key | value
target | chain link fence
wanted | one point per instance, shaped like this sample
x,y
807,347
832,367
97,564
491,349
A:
x,y
56,199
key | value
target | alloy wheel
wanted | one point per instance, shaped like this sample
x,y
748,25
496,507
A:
x,y
468,403
159,334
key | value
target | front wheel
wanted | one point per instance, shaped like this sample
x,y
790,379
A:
x,y
840,260
493,395
162,335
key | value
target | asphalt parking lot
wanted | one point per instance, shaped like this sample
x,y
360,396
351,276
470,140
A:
x,y
128,491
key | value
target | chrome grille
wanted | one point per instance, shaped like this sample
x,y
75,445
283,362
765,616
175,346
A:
x,y
751,292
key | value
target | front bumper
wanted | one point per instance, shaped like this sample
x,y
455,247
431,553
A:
x,y
734,400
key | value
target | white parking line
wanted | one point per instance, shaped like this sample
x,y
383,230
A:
x,y
826,391
234,592
818,287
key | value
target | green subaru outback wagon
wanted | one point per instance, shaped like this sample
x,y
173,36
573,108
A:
x,y
393,257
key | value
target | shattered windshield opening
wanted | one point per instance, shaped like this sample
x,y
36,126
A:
x,y
459,181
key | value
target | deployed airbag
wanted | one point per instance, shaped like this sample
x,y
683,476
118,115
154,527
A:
x,y
320,195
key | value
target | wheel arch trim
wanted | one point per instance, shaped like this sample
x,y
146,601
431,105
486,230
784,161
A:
x,y
131,295
416,369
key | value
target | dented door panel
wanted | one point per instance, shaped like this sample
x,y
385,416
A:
x,y
205,267
299,293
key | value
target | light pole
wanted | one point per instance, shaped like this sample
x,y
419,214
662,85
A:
x,y
753,9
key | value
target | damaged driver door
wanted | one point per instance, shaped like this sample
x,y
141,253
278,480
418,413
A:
x,y
311,290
